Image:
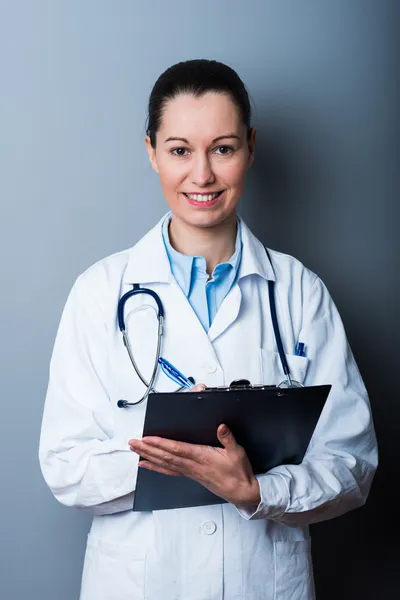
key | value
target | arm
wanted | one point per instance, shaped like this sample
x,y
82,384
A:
x,y
83,462
337,471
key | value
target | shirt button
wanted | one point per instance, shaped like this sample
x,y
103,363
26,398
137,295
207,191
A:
x,y
210,367
209,527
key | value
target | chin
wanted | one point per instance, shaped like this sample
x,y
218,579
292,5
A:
x,y
205,220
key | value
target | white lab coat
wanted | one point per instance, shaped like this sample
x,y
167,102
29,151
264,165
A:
x,y
212,552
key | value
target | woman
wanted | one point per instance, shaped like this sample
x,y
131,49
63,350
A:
x,y
212,276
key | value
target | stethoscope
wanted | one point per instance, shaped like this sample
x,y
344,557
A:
x,y
287,383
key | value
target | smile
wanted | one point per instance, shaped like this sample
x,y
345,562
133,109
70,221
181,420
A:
x,y
203,197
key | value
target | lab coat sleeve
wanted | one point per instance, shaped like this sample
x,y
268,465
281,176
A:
x,y
82,460
337,470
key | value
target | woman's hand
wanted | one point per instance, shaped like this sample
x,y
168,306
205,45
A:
x,y
224,471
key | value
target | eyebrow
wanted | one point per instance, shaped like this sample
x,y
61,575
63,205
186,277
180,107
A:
x,y
217,139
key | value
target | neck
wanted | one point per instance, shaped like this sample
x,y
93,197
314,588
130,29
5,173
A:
x,y
216,244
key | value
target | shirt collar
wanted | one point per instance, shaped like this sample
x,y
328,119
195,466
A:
x,y
148,259
184,267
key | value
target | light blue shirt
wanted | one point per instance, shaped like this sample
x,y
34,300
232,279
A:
x,y
205,297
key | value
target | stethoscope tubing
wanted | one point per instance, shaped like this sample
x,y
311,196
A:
x,y
149,385
160,317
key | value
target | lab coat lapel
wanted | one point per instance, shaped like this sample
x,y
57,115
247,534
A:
x,y
227,313
254,261
183,318
185,342
148,261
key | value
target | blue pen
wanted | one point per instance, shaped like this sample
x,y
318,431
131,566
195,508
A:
x,y
173,373
300,349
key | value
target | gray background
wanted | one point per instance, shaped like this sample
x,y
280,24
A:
x,y
75,185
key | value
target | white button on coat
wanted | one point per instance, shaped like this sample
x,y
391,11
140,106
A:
x,y
209,527
85,458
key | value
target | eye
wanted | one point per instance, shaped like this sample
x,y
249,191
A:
x,y
224,150
179,151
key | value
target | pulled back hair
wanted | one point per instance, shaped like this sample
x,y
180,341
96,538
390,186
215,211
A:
x,y
196,77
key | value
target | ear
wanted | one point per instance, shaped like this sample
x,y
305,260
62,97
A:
x,y
152,154
252,145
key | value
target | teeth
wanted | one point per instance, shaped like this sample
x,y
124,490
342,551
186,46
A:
x,y
202,197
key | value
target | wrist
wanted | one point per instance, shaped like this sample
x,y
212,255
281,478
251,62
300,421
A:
x,y
252,497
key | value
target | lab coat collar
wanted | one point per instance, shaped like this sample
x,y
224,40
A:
x,y
254,257
148,260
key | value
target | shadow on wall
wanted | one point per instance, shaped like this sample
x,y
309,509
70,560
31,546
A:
x,y
291,194
285,186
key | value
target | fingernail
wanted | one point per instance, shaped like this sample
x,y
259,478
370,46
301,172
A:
x,y
224,430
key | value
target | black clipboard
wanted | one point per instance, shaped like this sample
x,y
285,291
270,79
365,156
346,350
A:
x,y
274,425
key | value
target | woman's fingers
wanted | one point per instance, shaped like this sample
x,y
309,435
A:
x,y
146,464
199,387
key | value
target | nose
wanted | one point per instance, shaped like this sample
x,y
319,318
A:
x,y
202,173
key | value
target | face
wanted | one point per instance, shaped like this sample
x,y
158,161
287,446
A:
x,y
202,155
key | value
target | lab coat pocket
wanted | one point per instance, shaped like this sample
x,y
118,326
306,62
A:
x,y
293,571
112,571
272,371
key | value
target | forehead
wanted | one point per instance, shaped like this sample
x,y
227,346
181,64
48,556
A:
x,y
210,115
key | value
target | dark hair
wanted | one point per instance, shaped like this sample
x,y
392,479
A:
x,y
196,77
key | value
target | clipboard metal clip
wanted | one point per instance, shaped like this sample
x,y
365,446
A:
x,y
239,384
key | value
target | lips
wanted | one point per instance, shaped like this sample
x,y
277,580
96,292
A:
x,y
203,197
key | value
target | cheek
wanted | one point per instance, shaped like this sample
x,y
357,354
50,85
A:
x,y
171,174
234,172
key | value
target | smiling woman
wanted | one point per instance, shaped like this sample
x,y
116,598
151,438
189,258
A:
x,y
201,144
214,277
197,168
